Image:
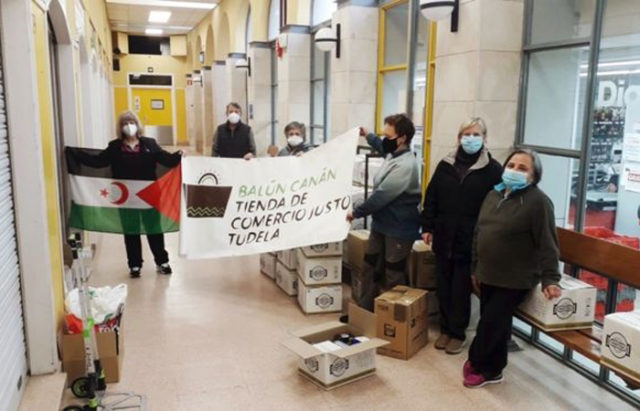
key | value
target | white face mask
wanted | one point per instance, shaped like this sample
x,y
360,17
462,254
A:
x,y
233,118
130,130
294,141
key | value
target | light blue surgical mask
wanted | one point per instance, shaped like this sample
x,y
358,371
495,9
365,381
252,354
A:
x,y
515,180
471,143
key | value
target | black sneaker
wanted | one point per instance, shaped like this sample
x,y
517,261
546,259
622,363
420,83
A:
x,y
134,272
344,319
164,269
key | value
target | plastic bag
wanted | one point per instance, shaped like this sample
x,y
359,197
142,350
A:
x,y
105,302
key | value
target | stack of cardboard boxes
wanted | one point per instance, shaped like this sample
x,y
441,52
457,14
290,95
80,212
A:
x,y
320,278
285,275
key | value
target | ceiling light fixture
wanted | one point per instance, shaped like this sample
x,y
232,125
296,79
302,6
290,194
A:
x,y
159,16
166,3
153,32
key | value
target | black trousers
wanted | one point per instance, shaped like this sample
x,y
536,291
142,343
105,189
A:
x,y
454,296
134,249
488,352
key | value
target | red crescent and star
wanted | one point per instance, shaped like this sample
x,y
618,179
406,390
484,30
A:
x,y
124,193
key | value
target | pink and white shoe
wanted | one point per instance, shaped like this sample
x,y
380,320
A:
x,y
478,380
467,369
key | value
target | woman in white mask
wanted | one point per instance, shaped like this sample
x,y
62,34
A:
x,y
134,157
296,140
452,203
233,138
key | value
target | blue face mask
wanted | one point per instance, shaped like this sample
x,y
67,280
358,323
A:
x,y
471,144
515,180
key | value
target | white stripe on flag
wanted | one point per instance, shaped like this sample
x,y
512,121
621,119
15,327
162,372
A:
x,y
107,192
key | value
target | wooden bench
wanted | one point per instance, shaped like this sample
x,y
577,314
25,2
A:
x,y
612,261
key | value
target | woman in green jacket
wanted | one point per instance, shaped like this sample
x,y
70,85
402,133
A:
x,y
515,247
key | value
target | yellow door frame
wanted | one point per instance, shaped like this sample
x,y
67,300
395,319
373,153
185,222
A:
x,y
428,107
172,87
382,69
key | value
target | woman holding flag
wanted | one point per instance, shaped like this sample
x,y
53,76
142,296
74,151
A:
x,y
134,158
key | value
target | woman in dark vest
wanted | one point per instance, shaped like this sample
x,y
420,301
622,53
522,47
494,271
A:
x,y
454,196
234,139
132,156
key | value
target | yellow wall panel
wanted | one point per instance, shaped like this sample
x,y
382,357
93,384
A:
x,y
120,100
49,156
149,115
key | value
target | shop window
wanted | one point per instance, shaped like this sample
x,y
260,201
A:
x,y
555,98
392,60
561,20
147,45
550,343
521,326
560,182
585,363
320,70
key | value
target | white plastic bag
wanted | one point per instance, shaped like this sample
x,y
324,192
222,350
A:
x,y
105,302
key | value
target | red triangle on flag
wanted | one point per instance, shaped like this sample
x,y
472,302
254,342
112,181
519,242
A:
x,y
164,194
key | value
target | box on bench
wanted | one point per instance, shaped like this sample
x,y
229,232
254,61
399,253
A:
x,y
574,310
621,343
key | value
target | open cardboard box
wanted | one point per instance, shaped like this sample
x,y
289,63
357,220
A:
x,y
335,369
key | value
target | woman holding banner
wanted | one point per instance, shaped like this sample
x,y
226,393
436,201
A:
x,y
394,210
134,157
296,140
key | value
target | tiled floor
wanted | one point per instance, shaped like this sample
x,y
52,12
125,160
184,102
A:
x,y
208,338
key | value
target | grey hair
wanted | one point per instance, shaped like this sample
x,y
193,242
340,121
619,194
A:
x,y
235,105
299,126
536,163
473,121
129,116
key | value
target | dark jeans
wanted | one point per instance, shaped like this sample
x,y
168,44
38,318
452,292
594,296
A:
x,y
488,352
134,249
454,296
395,252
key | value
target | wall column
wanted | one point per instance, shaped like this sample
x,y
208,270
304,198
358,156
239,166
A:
x,y
198,100
207,104
294,79
220,98
259,94
354,74
477,74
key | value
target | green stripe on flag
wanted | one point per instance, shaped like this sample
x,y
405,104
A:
x,y
120,220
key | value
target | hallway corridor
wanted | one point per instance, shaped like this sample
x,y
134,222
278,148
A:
x,y
208,338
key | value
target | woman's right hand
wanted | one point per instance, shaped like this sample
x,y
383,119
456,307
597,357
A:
x,y
363,132
475,284
427,238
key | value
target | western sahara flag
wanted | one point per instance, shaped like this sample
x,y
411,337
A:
x,y
102,203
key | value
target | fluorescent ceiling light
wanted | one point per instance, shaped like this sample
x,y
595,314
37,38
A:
x,y
159,16
166,3
153,32
615,64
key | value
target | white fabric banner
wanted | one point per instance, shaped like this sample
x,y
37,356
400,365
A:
x,y
233,207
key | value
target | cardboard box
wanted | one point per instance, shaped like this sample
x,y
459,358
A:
x,y
319,298
317,271
403,320
575,309
621,343
288,258
268,265
336,368
422,267
323,250
110,350
357,246
286,279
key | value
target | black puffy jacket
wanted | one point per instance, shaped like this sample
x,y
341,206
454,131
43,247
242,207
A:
x,y
452,204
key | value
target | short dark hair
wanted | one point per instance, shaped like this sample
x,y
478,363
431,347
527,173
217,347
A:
x,y
536,163
403,125
235,105
297,125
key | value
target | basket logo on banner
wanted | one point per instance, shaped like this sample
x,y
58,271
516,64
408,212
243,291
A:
x,y
234,207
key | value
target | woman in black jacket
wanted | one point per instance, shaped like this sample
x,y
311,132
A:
x,y
132,156
451,206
